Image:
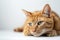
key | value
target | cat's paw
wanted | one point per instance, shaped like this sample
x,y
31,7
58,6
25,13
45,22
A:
x,y
52,33
26,33
18,29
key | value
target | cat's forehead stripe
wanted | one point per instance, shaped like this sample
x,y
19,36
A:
x,y
41,18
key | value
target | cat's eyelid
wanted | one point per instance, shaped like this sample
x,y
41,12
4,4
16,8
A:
x,y
40,21
49,22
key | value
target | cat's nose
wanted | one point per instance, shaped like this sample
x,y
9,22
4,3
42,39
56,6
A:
x,y
33,30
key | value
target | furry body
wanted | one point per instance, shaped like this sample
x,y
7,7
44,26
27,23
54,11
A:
x,y
41,22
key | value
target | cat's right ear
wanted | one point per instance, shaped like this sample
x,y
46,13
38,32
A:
x,y
47,10
27,13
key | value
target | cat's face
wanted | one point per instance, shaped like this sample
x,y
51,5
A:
x,y
39,22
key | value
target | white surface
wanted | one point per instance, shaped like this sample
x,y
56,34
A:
x,y
11,15
10,35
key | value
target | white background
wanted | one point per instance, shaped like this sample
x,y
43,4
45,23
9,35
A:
x,y
11,15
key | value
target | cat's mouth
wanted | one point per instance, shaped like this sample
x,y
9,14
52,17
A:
x,y
45,35
38,34
42,33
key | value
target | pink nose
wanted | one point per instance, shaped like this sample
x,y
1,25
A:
x,y
33,30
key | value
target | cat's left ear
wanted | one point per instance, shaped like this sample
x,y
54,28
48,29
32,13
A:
x,y
27,13
47,10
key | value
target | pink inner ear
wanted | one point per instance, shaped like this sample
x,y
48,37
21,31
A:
x,y
47,10
28,14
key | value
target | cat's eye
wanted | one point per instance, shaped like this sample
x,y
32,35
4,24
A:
x,y
39,22
30,24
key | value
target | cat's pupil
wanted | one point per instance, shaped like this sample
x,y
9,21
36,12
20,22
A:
x,y
39,22
30,24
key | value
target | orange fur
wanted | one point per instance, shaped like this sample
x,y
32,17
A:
x,y
41,22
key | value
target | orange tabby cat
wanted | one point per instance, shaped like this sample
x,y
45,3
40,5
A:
x,y
41,22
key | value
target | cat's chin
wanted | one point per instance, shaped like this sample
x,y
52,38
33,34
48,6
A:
x,y
36,34
40,33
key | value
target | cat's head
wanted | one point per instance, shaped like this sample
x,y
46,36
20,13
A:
x,y
39,22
